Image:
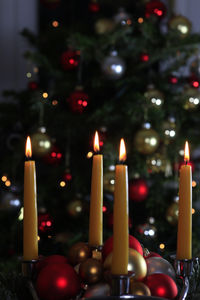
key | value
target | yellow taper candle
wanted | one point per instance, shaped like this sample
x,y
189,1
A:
x,y
184,237
96,199
120,222
30,224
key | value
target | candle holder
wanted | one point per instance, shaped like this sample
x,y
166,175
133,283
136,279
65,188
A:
x,y
185,269
28,273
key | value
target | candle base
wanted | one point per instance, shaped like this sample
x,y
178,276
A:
x,y
185,269
28,274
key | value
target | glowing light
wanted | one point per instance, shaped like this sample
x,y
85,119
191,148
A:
x,y
84,103
122,151
193,211
21,214
28,75
54,102
15,202
181,152
35,69
8,183
89,154
186,152
45,144
38,238
195,84
45,95
4,178
194,184
55,24
182,28
78,208
140,20
71,61
62,183
162,246
111,167
161,291
96,142
116,68
61,282
112,181
48,223
28,147
129,22
104,208
151,220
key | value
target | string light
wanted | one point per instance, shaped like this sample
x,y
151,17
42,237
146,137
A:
x,y
45,95
8,183
62,183
54,102
193,211
4,178
89,154
162,246
35,69
140,20
28,75
55,24
194,184
38,238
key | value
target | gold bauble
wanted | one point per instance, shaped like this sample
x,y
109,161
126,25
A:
x,y
136,264
154,97
139,288
104,26
41,143
192,98
91,271
172,213
146,141
156,163
109,181
181,24
79,252
75,208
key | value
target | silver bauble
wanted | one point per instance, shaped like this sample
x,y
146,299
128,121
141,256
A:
x,y
159,265
113,66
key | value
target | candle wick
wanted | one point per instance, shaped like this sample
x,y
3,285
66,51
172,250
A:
x,y
186,162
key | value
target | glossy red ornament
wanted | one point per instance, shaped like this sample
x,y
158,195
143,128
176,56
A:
x,y
45,223
78,101
133,243
138,190
51,4
144,57
57,282
161,285
94,6
52,259
155,8
53,157
32,85
70,59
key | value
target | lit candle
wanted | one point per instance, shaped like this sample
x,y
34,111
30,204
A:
x,y
184,237
120,222
96,199
30,224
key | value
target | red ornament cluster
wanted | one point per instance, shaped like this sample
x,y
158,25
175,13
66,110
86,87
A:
x,y
78,101
70,59
45,223
155,8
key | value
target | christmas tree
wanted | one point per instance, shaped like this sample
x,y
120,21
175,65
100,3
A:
x,y
127,69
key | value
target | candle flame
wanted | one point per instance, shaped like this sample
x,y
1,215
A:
x,y
122,151
28,147
96,142
186,152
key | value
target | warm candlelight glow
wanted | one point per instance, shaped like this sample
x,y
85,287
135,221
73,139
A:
x,y
28,147
96,142
186,152
122,151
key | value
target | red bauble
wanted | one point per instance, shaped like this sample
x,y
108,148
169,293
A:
x,y
152,254
57,282
32,85
45,223
70,59
78,101
144,57
51,4
94,6
53,157
133,243
161,285
52,259
155,8
138,190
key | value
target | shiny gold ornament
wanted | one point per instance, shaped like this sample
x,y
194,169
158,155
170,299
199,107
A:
x,y
192,98
109,181
79,252
154,97
41,142
75,208
172,213
139,288
181,24
156,163
136,264
146,141
91,270
104,25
